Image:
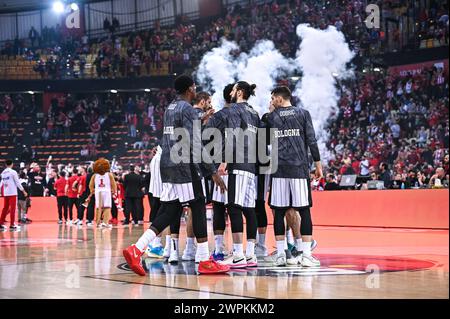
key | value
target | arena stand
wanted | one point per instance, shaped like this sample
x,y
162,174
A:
x,y
372,100
167,49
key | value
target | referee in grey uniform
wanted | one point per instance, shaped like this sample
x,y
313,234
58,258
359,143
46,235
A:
x,y
290,184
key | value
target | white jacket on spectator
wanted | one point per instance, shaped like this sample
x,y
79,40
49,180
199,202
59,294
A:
x,y
10,182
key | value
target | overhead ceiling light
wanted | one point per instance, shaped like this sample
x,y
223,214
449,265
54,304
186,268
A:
x,y
30,92
113,91
74,6
58,7
147,90
295,78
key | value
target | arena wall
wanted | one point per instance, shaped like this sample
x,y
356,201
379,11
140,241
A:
x,y
390,208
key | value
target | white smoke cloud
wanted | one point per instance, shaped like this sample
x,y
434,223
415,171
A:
x,y
262,66
217,69
322,58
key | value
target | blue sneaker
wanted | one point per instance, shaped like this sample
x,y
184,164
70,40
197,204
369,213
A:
x,y
294,250
291,246
155,252
313,244
218,256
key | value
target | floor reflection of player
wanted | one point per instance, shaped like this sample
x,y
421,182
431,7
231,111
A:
x,y
103,253
10,272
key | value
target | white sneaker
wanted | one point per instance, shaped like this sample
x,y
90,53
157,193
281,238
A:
x,y
293,261
68,222
79,223
235,261
89,224
252,261
173,258
281,260
261,251
167,250
188,255
3,228
101,225
141,222
310,261
76,222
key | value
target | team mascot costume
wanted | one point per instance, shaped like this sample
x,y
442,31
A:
x,y
103,186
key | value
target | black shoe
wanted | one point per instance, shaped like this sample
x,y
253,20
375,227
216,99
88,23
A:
x,y
295,252
288,253
28,221
125,222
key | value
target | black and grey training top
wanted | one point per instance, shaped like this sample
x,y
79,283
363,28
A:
x,y
295,134
218,121
181,114
200,113
244,120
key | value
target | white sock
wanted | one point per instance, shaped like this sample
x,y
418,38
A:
x,y
190,243
285,244
250,250
156,242
298,244
262,239
167,246
238,249
280,247
306,248
145,239
202,253
175,244
218,239
290,237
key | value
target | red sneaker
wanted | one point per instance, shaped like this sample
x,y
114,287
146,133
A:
x,y
133,257
114,222
212,267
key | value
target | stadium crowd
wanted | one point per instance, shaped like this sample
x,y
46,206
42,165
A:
x,y
394,129
183,46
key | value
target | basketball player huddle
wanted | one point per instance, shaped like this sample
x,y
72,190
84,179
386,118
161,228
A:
x,y
235,185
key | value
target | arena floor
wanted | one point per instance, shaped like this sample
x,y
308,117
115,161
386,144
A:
x,y
46,260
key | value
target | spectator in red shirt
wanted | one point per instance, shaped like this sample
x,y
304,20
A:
x,y
95,130
4,117
356,166
61,196
80,189
72,193
145,140
92,150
